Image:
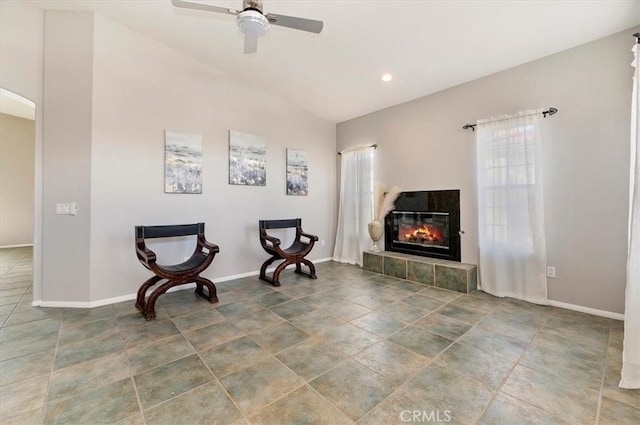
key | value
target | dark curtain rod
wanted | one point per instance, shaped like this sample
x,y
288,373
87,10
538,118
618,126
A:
x,y
549,112
370,146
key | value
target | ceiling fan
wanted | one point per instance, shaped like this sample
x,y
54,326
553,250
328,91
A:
x,y
252,22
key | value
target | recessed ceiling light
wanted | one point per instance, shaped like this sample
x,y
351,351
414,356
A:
x,y
387,77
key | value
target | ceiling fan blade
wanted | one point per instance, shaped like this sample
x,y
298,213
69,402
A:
x,y
202,6
250,43
303,24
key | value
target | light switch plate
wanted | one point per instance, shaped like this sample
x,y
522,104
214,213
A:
x,y
62,209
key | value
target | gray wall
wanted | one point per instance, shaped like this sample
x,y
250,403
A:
x,y
142,88
17,154
586,154
68,79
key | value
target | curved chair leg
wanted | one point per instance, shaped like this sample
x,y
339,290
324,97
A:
x,y
263,268
263,271
149,310
200,283
142,292
312,268
278,270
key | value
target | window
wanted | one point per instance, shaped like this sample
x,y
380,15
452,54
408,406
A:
x,y
509,175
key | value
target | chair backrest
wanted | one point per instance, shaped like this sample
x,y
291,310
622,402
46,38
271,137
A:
x,y
150,232
279,224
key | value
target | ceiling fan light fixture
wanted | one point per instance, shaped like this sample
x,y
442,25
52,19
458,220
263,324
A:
x,y
252,22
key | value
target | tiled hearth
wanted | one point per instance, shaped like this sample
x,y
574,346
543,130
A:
x,y
444,274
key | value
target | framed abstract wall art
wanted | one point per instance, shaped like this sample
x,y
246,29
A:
x,y
247,159
297,172
182,162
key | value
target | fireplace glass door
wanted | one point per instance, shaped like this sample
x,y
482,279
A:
x,y
421,229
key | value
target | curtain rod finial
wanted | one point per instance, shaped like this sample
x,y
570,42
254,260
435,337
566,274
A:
x,y
469,126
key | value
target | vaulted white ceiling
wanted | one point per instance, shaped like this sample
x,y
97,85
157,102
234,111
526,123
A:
x,y
427,46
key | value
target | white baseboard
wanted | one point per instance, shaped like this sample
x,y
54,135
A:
x,y
16,246
239,276
323,260
129,297
100,303
588,310
84,304
64,304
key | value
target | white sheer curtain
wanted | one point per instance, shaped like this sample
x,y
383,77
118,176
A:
x,y
510,207
631,350
356,205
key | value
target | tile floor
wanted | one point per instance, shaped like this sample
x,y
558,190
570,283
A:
x,y
350,347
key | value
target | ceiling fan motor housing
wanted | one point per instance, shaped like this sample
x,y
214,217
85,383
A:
x,y
252,22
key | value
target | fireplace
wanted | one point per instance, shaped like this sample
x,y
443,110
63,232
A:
x,y
425,223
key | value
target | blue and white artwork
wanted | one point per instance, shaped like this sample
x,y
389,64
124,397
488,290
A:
x,y
247,159
182,163
297,172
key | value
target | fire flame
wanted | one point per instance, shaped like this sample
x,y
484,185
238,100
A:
x,y
424,233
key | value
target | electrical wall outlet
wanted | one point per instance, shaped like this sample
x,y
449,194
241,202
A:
x,y
551,272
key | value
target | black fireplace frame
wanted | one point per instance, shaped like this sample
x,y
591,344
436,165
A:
x,y
428,201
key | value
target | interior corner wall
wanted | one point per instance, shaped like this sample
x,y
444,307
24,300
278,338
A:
x,y
422,146
68,71
17,152
21,71
142,88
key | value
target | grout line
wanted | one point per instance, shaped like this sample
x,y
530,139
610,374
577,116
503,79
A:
x,y
13,310
224,389
131,375
508,375
458,340
53,364
215,377
305,383
604,372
